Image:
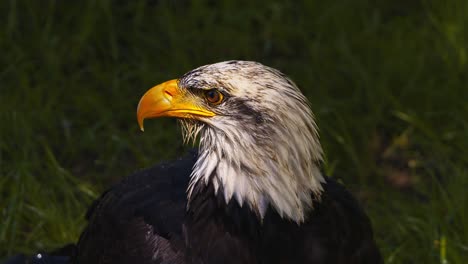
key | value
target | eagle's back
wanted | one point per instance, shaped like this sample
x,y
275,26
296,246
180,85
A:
x,y
144,219
139,220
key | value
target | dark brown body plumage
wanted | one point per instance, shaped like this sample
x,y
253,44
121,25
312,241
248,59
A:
x,y
144,219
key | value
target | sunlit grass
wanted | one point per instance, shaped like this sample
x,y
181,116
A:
x,y
387,81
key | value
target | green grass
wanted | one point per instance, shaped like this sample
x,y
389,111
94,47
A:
x,y
388,82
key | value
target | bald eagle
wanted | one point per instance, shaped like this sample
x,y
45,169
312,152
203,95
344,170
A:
x,y
253,192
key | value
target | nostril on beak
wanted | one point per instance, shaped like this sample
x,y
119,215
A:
x,y
168,94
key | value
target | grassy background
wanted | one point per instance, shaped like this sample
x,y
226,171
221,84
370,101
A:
x,y
388,81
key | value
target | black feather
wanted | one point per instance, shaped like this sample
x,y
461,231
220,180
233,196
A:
x,y
143,219
140,219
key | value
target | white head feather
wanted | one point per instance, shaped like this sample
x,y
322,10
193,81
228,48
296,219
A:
x,y
262,147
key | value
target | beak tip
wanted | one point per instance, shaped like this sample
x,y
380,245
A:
x,y
140,125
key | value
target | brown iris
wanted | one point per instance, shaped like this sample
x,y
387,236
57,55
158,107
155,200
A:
x,y
213,96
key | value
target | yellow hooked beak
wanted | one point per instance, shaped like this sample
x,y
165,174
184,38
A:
x,y
167,99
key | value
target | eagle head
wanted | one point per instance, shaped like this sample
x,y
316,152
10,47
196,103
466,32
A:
x,y
259,142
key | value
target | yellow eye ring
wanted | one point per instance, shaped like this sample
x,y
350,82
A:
x,y
213,96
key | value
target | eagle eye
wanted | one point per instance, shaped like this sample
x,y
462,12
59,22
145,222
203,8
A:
x,y
213,96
